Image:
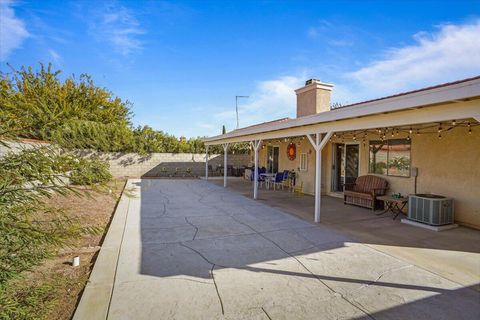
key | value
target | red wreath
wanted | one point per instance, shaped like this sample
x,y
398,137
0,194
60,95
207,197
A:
x,y
292,151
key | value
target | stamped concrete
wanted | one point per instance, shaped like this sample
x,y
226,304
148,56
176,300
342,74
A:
x,y
193,250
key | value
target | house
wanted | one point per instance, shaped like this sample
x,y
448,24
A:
x,y
422,141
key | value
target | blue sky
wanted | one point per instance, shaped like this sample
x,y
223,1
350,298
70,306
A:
x,y
181,63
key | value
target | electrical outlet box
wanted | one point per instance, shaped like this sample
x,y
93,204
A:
x,y
414,172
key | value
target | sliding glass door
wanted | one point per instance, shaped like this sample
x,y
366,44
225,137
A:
x,y
345,165
272,159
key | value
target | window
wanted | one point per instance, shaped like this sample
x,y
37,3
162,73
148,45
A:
x,y
391,157
303,162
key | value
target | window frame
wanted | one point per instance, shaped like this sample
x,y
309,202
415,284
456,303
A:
x,y
387,143
303,160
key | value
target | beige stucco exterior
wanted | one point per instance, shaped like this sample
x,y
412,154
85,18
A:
x,y
449,166
313,98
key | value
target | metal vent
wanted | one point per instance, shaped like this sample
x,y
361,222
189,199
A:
x,y
430,209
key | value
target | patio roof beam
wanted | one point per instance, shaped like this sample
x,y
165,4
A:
x,y
225,155
318,143
256,145
427,114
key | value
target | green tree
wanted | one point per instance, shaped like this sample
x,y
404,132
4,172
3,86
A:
x,y
36,103
78,114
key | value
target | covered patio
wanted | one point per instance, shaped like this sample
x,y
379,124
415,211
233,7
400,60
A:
x,y
427,138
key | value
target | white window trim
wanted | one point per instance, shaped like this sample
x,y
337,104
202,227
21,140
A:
x,y
300,167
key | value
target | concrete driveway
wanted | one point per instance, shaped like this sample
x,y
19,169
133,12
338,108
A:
x,y
189,249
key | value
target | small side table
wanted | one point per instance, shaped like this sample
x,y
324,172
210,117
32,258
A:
x,y
394,205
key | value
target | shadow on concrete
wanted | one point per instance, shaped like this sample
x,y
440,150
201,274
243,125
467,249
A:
x,y
444,304
192,169
195,228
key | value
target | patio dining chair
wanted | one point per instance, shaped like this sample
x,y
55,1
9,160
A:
x,y
261,180
286,179
278,180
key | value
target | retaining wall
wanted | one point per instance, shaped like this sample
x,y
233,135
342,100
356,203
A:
x,y
161,164
152,165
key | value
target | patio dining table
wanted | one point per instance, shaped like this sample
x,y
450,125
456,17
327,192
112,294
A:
x,y
269,177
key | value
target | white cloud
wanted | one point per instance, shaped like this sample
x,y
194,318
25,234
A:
x,y
452,53
322,27
271,99
56,58
12,29
119,27
449,54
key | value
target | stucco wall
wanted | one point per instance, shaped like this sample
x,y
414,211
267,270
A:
x,y
449,166
306,177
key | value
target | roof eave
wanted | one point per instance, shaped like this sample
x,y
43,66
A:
x,y
436,95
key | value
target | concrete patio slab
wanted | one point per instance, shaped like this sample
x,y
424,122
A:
x,y
189,249
453,254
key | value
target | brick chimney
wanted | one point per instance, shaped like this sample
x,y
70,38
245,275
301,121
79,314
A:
x,y
313,98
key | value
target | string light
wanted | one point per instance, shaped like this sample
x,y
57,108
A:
x,y
439,128
454,123
469,128
335,135
410,131
408,137
418,132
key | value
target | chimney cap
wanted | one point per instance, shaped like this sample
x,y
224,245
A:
x,y
312,84
310,81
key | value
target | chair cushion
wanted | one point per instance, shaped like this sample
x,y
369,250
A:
x,y
368,183
356,194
